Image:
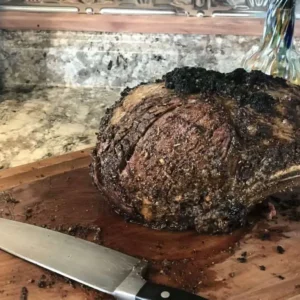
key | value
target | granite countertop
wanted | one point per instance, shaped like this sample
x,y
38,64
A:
x,y
37,123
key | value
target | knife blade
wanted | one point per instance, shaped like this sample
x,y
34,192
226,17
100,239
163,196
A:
x,y
98,267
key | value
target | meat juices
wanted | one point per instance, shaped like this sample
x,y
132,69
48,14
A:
x,y
199,149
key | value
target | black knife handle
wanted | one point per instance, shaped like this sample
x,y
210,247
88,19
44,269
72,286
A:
x,y
151,291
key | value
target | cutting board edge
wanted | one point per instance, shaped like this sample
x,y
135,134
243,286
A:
x,y
38,170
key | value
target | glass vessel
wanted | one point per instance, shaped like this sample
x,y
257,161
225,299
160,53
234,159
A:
x,y
276,54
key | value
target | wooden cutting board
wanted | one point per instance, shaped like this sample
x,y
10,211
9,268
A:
x,y
58,193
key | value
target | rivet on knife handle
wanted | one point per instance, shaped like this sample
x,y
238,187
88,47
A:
x,y
152,291
135,287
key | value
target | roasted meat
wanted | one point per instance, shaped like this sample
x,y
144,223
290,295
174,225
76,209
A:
x,y
199,149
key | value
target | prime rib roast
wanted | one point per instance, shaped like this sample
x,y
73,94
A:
x,y
198,148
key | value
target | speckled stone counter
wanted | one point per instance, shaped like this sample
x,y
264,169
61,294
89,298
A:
x,y
76,75
49,121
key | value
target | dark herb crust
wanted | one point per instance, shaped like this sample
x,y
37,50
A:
x,y
199,148
245,87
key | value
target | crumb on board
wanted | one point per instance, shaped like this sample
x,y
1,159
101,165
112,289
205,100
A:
x,y
262,268
278,276
243,258
265,236
24,293
45,282
28,214
8,198
280,249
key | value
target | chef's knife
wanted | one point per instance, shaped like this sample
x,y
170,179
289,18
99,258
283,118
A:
x,y
95,266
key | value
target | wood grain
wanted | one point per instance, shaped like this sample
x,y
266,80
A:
x,y
201,263
38,170
135,24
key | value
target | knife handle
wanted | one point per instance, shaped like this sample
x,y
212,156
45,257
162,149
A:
x,y
151,291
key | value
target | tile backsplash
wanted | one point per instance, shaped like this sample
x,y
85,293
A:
x,y
110,59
